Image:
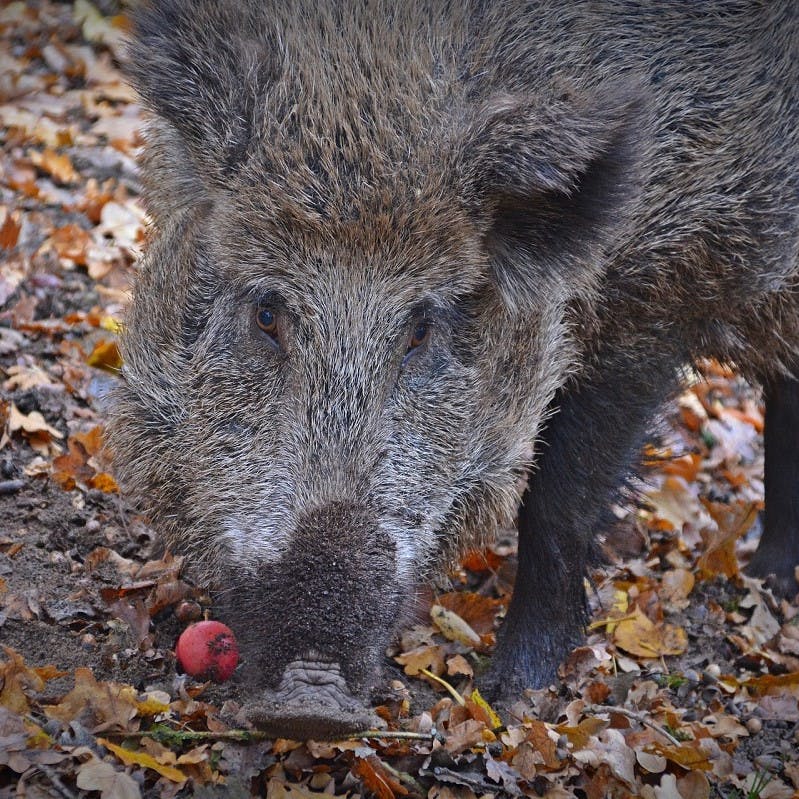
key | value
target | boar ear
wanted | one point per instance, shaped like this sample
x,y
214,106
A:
x,y
556,179
195,64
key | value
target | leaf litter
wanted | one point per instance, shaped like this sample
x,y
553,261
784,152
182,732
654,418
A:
x,y
687,684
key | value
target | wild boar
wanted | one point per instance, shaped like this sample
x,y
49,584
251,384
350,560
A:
x,y
419,269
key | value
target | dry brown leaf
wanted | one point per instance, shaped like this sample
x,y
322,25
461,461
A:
x,y
104,482
693,785
719,556
539,737
97,775
71,242
690,754
98,705
676,586
580,735
55,164
485,560
458,665
423,657
638,635
24,378
30,423
675,504
16,682
774,684
465,735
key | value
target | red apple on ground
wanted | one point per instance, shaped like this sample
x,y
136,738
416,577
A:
x,y
208,651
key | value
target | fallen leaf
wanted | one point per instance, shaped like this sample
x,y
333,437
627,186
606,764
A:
x,y
424,657
16,682
57,165
478,611
105,355
97,775
71,242
139,758
99,705
377,779
453,627
465,735
640,636
30,423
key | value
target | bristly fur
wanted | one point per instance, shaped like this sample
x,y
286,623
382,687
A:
x,y
576,198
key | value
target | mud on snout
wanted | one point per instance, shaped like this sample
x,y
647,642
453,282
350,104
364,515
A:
x,y
313,625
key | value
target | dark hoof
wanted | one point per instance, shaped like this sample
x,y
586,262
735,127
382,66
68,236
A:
x,y
779,576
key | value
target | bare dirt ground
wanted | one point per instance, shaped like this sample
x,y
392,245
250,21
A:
x,y
688,685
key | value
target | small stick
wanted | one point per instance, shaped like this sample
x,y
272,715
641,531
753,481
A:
x,y
163,735
453,693
248,736
639,717
408,736
403,776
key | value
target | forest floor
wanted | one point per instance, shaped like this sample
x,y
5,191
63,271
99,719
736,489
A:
x,y
687,685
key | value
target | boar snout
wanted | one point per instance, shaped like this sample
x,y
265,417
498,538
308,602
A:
x,y
318,618
312,701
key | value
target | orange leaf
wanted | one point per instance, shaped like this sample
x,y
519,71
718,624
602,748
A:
x,y
478,611
104,482
719,556
105,355
9,233
59,166
770,683
72,242
377,779
485,560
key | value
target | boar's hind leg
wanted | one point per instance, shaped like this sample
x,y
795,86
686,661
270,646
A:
x,y
778,554
588,452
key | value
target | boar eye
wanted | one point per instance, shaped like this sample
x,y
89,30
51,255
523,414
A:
x,y
266,319
419,336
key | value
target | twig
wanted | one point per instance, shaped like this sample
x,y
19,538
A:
x,y
165,735
55,780
408,736
453,693
639,717
403,776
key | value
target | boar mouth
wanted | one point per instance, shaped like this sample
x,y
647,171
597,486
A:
x,y
312,701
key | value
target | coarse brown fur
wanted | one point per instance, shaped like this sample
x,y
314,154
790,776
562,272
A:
x,y
577,198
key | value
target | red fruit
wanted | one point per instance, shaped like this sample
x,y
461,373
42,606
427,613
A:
x,y
208,651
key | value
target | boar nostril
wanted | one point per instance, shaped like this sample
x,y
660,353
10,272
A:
x,y
312,701
318,679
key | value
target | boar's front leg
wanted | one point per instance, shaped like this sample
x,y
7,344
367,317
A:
x,y
588,452
778,554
